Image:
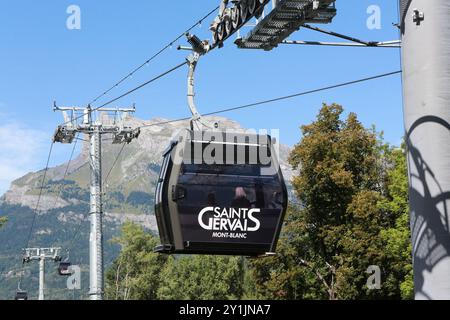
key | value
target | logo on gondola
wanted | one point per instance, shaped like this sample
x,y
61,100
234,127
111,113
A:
x,y
229,219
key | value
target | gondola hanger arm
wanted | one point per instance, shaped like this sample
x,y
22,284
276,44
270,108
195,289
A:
x,y
199,48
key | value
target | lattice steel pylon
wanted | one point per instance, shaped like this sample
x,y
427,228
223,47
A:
x,y
95,128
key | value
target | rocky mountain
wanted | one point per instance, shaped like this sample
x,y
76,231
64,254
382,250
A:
x,y
62,219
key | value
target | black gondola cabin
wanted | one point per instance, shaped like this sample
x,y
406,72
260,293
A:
x,y
64,269
220,193
21,295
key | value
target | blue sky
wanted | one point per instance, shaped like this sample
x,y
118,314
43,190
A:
x,y
41,61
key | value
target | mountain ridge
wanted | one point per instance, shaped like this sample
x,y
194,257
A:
x,y
142,156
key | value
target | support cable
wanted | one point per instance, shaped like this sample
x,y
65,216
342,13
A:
x,y
36,210
355,42
167,46
127,93
263,102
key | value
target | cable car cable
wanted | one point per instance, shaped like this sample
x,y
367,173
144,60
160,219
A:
x,y
167,46
66,171
206,114
279,98
111,101
303,93
114,163
40,195
129,91
104,183
230,109
141,85
81,139
37,206
76,234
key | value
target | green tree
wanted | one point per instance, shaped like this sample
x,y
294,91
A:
x,y
140,274
352,214
203,278
397,239
136,273
3,220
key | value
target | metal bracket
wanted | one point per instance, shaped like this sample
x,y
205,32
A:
x,y
354,42
418,16
192,63
36,254
384,44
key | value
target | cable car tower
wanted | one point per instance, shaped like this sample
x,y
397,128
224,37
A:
x,y
94,125
41,255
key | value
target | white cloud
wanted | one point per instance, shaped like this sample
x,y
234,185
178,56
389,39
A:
x,y
22,150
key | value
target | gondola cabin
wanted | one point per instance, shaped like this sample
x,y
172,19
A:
x,y
220,193
21,295
64,269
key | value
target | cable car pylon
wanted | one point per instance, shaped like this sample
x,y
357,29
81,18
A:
x,y
40,255
95,127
